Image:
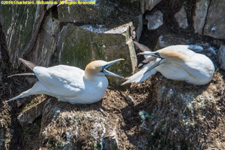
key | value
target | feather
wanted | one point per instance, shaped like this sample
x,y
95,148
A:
x,y
142,47
21,74
27,63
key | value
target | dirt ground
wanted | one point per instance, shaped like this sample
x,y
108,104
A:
x,y
167,129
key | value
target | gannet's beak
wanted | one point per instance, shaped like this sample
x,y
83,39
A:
x,y
158,61
153,56
106,72
149,53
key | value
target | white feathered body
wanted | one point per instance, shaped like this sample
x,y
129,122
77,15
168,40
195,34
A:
x,y
67,84
198,69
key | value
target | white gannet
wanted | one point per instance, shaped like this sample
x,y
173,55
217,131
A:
x,y
71,84
177,62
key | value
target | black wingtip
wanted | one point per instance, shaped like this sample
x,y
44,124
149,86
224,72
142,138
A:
x,y
141,46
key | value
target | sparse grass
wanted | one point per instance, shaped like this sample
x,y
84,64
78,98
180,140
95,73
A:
x,y
55,145
95,145
34,101
4,123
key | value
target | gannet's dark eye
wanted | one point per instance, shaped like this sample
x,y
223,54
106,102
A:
x,y
157,55
102,70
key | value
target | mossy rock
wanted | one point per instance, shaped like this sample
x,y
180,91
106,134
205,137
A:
x,y
78,47
86,13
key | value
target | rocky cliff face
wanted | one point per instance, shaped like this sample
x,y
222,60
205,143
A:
x,y
156,114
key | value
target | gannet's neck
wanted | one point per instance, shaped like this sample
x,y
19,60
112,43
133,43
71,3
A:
x,y
173,56
91,78
92,70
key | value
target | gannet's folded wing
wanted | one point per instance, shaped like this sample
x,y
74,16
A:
x,y
141,75
62,80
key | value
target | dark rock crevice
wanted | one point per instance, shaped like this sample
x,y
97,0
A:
x,y
206,17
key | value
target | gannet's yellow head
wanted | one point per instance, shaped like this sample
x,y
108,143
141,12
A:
x,y
171,55
165,56
98,68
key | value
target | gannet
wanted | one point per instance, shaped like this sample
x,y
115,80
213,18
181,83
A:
x,y
71,84
177,62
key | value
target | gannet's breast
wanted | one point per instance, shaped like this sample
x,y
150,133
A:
x,y
68,84
93,92
202,68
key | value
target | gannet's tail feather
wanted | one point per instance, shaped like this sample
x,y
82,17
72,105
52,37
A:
x,y
21,74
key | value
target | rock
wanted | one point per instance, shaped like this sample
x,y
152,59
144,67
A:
x,y
169,39
181,18
64,125
150,4
45,44
103,13
21,24
183,111
215,21
196,48
173,39
97,29
211,51
110,143
2,134
222,57
77,46
142,6
37,39
86,13
155,20
139,27
97,126
200,15
133,4
0,56
33,111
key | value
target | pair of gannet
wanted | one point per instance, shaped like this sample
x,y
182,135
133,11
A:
x,y
176,62
71,84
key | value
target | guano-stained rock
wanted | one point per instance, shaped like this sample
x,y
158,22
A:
x,y
215,22
222,57
45,45
181,18
155,20
21,24
200,15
